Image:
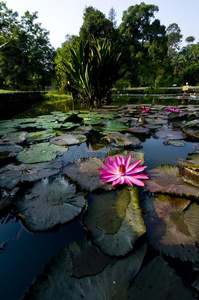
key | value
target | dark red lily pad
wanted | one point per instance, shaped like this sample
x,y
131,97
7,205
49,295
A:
x,y
167,179
170,134
173,226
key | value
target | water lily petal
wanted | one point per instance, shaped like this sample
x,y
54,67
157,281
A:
x,y
121,160
135,181
127,161
117,160
134,165
136,170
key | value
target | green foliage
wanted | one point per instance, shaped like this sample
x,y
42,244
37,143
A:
x,y
97,25
93,69
25,50
191,74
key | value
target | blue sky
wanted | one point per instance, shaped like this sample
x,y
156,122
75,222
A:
x,y
62,17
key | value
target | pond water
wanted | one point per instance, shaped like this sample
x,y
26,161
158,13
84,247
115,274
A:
x,y
69,256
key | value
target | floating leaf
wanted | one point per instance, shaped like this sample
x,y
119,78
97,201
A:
x,y
191,161
190,176
11,175
114,126
68,139
39,136
170,134
167,179
6,197
139,129
175,143
115,220
122,140
14,137
48,203
156,121
58,283
172,227
191,132
9,151
40,153
85,172
156,281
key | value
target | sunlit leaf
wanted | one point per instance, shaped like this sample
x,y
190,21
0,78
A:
x,y
115,220
191,132
191,161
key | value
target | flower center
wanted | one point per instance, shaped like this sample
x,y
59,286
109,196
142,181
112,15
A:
x,y
122,169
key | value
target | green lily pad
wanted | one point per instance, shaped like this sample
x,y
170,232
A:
x,y
65,126
191,161
173,226
58,282
50,202
40,153
11,175
122,140
176,143
167,179
82,129
114,126
68,139
115,220
156,281
9,150
39,136
14,137
170,134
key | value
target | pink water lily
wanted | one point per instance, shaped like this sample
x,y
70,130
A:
x,y
120,171
173,110
146,110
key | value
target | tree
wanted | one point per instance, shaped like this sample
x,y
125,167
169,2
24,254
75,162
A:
x,y
139,35
27,51
64,54
96,26
174,39
190,39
